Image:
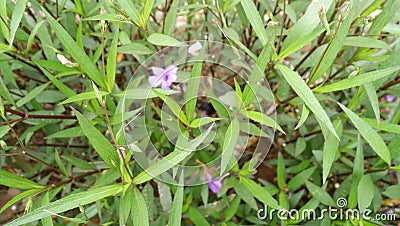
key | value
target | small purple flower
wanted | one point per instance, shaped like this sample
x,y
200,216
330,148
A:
x,y
214,185
164,77
390,98
204,116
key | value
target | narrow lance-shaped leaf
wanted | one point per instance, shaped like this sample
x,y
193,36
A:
x,y
255,20
146,12
305,93
333,47
85,63
163,40
365,192
228,147
111,62
14,181
140,215
16,18
176,211
19,197
172,159
102,146
357,80
67,203
331,146
358,171
303,116
373,98
260,193
32,94
320,194
171,17
192,91
369,134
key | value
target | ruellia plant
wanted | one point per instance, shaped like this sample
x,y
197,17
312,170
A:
x,y
212,112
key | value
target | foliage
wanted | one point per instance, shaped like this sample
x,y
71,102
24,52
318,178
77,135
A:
x,y
72,70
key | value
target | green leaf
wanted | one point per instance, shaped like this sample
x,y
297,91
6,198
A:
x,y
384,126
392,192
85,63
67,203
60,86
5,93
163,40
32,94
175,216
70,132
173,106
80,163
32,36
140,215
107,17
320,194
144,94
14,181
373,98
260,193
19,197
112,62
333,47
358,171
131,10
264,119
305,25
134,49
331,146
369,134
82,96
203,121
233,208
305,93
357,80
255,20
300,43
303,116
192,90
172,159
300,178
246,196
228,147
146,12
16,18
3,17
102,146
281,173
365,192
170,18
60,164
197,217
365,42
47,221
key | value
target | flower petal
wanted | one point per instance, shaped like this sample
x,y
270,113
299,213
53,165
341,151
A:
x,y
158,71
154,81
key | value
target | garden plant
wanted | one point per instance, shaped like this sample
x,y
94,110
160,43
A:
x,y
199,112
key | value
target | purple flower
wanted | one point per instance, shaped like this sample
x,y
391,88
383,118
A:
x,y
164,77
390,98
204,116
214,185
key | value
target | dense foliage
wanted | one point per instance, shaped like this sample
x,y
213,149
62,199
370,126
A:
x,y
199,112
